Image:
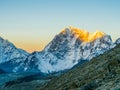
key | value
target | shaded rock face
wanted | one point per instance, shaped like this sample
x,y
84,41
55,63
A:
x,y
102,72
24,64
2,71
117,41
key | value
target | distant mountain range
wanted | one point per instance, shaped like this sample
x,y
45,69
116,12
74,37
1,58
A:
x,y
70,47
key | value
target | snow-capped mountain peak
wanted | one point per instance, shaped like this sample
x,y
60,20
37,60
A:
x,y
8,51
70,47
83,35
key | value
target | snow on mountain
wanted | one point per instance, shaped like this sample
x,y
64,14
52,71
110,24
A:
x,y
9,52
68,48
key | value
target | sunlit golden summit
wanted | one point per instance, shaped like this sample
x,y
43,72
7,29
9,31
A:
x,y
83,34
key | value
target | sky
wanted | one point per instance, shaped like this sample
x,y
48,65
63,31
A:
x,y
32,24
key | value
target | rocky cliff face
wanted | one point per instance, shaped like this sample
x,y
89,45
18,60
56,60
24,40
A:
x,y
117,41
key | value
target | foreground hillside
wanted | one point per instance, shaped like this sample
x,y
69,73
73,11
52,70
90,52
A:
x,y
102,72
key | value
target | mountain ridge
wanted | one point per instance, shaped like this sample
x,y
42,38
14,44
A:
x,y
83,34
63,52
8,51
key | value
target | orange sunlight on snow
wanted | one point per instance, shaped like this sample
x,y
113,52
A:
x,y
84,35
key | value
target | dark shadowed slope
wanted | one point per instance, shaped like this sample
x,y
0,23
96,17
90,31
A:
x,y
102,72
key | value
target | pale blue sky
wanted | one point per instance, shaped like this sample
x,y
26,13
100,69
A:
x,y
36,22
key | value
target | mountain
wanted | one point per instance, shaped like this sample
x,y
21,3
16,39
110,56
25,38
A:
x,y
70,47
101,73
8,52
67,49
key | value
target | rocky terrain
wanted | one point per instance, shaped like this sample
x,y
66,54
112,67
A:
x,y
101,73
